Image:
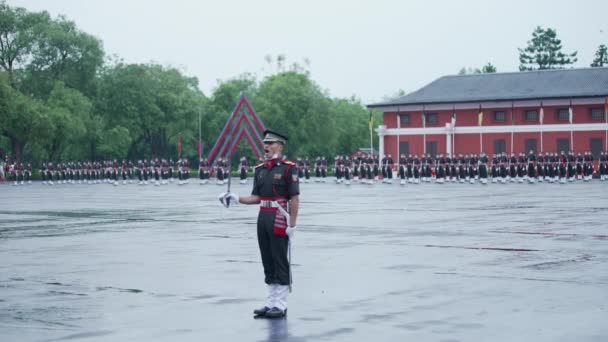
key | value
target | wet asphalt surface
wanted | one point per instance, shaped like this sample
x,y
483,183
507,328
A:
x,y
375,263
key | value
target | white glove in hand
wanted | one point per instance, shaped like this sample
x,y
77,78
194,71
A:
x,y
228,198
291,232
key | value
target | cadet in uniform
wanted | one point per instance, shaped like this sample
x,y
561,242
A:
x,y
402,166
306,170
603,164
243,167
275,184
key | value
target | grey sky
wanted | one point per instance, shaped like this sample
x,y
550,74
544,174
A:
x,y
365,48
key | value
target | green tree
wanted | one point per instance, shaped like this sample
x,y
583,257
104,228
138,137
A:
x,y
22,118
544,51
63,53
601,56
69,111
486,69
352,125
115,143
19,30
154,104
292,103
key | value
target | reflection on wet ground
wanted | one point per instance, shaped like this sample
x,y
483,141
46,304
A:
x,y
383,263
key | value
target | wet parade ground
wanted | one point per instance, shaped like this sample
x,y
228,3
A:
x,y
424,262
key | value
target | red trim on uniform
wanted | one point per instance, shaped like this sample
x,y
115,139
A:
x,y
272,209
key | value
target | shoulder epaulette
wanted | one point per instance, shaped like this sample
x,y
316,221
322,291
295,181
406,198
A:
x,y
260,164
288,162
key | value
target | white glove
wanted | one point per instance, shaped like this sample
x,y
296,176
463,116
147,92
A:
x,y
291,232
228,198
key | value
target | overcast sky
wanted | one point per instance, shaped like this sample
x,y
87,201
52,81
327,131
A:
x,y
369,49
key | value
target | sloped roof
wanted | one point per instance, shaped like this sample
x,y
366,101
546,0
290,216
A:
x,y
525,85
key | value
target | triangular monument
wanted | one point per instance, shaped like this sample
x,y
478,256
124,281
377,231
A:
x,y
244,122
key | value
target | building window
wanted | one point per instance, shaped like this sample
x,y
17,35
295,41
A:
x,y
404,119
531,115
499,116
530,145
431,118
596,146
597,114
563,114
404,148
563,145
500,146
431,148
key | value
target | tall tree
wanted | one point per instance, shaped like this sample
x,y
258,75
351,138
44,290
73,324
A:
x,y
292,103
544,51
63,53
601,56
19,31
154,104
22,118
69,112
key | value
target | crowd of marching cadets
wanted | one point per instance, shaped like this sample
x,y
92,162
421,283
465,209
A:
x,y
366,169
156,171
470,168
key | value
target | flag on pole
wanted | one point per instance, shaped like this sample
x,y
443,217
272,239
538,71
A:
x,y
542,114
480,118
606,110
453,118
199,148
179,145
423,120
371,120
570,114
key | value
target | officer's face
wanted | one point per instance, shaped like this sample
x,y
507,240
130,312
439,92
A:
x,y
272,148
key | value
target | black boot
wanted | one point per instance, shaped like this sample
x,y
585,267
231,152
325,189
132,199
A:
x,y
276,313
261,311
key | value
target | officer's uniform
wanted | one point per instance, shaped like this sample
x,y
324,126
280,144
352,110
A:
x,y
277,181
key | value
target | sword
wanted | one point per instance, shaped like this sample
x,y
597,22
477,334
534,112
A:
x,y
229,164
288,218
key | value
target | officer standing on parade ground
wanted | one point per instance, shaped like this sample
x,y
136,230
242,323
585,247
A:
x,y
276,189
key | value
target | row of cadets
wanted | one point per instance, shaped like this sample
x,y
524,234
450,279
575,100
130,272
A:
x,y
303,169
203,171
343,169
19,173
183,171
387,169
320,169
603,166
243,168
222,172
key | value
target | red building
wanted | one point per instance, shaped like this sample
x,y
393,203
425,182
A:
x,y
544,111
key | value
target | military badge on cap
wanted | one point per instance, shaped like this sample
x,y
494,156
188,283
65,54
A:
x,y
270,137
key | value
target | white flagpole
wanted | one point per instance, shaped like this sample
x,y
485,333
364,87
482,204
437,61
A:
x,y
398,126
200,144
480,123
606,120
512,124
570,114
542,119
423,131
453,131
